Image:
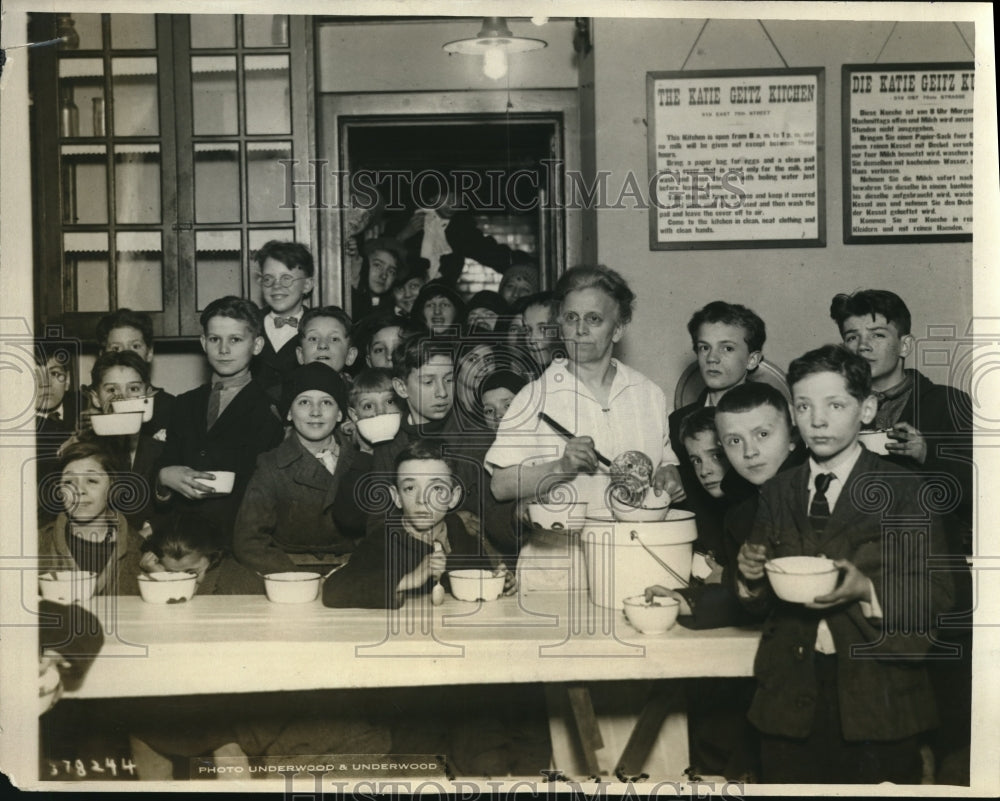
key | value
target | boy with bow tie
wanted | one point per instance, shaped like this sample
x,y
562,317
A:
x,y
286,280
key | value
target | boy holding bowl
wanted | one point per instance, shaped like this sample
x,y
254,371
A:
x,y
841,692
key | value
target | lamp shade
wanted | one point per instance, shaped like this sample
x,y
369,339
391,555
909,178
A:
x,y
494,35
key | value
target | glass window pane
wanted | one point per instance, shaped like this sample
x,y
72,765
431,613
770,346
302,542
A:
x,y
139,262
84,184
217,182
86,257
213,30
137,183
133,31
267,182
267,82
213,86
265,30
81,81
257,237
135,94
218,266
86,26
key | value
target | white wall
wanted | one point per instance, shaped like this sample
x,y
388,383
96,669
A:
x,y
790,288
407,57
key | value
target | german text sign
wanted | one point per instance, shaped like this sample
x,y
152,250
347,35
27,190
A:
x,y
907,152
735,159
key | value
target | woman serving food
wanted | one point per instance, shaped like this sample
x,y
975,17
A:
x,y
609,407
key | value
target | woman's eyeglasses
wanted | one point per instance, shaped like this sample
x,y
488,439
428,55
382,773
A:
x,y
268,281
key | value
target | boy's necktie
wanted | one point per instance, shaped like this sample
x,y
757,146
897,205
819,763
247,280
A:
x,y
819,509
281,321
214,404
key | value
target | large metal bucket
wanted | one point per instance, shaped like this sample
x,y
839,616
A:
x,y
617,564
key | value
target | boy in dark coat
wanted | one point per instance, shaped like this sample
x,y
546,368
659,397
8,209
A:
x,y
405,554
222,425
286,519
930,431
842,693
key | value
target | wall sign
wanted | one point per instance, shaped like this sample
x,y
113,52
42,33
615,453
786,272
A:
x,y
735,159
907,152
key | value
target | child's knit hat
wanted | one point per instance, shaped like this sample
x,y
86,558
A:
x,y
503,379
314,375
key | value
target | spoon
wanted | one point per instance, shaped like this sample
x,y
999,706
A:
x,y
437,594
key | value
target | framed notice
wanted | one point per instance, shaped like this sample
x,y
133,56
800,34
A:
x,y
907,152
736,159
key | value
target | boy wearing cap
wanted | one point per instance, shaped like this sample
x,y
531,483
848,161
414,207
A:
x,y
497,392
286,519
518,282
483,311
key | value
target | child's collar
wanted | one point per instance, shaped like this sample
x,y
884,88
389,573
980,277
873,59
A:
x,y
96,531
231,381
297,313
328,444
438,534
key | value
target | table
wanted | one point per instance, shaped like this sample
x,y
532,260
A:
x,y
234,644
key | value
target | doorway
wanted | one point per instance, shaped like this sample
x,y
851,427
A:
x,y
507,166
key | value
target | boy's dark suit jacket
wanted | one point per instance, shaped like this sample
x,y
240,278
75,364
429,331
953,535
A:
x,y
243,431
163,403
387,553
144,469
943,415
884,691
270,367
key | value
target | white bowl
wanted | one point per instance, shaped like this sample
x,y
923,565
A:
x,y
651,618
67,586
116,424
801,579
875,441
654,508
558,516
144,405
475,585
294,587
222,483
167,588
380,428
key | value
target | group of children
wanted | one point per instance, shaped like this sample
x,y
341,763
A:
x,y
289,384
847,687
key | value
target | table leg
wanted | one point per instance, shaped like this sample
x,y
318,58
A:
x,y
646,725
573,728
663,699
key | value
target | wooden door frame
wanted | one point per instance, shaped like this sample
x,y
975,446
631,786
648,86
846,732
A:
x,y
332,107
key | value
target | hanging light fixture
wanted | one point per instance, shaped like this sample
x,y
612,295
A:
x,y
494,42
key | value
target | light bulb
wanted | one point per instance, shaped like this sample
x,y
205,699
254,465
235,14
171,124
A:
x,y
495,63
539,21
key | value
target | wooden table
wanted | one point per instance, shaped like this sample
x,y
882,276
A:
x,y
237,644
